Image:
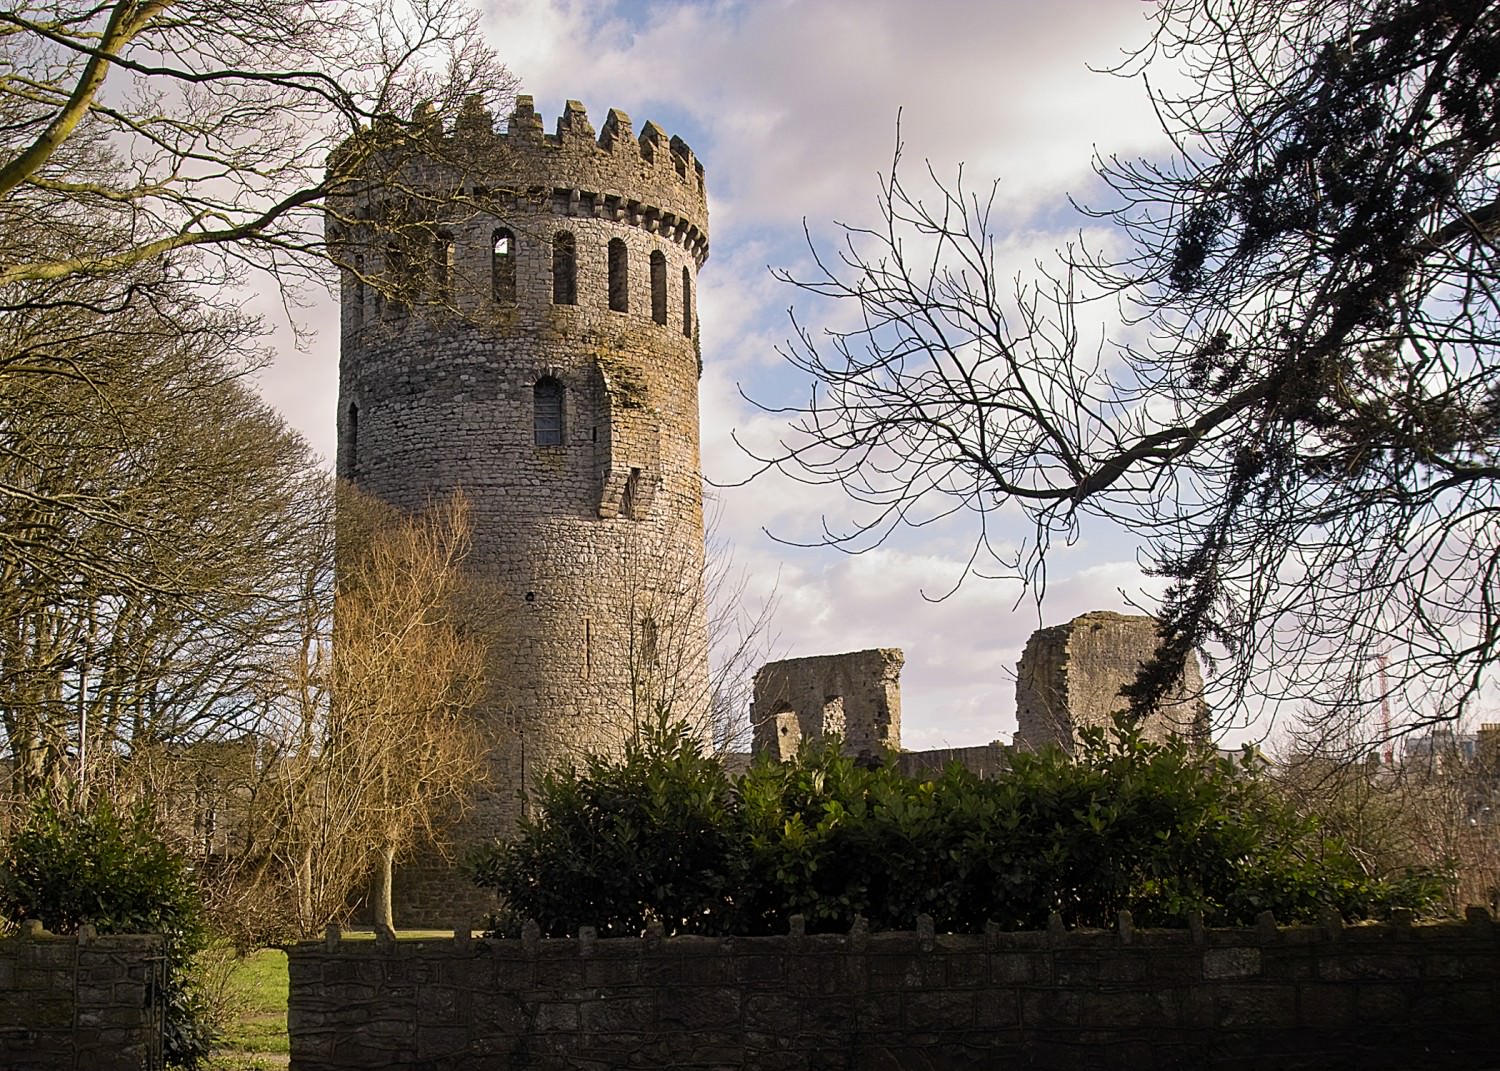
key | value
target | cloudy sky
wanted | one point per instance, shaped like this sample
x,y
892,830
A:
x,y
792,106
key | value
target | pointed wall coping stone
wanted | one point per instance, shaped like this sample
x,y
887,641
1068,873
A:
x,y
655,933
926,934
859,934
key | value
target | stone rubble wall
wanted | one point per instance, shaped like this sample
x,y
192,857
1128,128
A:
x,y
78,1002
1315,997
986,760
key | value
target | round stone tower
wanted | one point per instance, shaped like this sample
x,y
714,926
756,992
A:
x,y
519,323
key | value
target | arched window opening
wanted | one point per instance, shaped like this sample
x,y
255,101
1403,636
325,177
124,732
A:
x,y
442,266
687,303
659,287
503,266
564,269
548,398
619,276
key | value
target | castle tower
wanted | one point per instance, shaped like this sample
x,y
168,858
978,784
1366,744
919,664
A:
x,y
519,322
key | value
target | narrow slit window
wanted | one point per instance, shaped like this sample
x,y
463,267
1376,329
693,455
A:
x,y
442,267
619,276
351,440
659,287
359,291
628,499
564,269
548,398
503,266
396,279
687,303
650,641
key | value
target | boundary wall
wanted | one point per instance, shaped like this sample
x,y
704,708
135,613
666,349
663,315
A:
x,y
1393,995
80,1002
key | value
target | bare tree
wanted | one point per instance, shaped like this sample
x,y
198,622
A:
x,y
151,534
407,668
1434,807
694,637
136,129
1299,414
149,146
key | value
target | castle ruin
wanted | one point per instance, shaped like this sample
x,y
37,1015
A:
x,y
1069,679
538,351
857,696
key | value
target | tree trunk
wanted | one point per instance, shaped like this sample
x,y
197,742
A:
x,y
306,905
381,891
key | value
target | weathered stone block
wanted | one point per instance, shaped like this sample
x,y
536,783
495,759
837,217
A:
x,y
611,1012
698,1009
1239,1005
942,1009
1231,963
553,1017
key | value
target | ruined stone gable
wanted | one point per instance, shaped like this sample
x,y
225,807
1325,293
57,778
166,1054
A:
x,y
856,695
1070,677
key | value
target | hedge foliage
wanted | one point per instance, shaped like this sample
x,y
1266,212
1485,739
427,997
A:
x,y
663,833
67,866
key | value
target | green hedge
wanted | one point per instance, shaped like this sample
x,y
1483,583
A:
x,y
68,866
663,833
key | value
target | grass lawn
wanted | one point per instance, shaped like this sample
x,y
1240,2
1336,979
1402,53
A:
x,y
257,1040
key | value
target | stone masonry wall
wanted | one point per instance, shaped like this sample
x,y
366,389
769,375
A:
x,y
1070,677
856,695
987,760
78,1002
589,551
1315,997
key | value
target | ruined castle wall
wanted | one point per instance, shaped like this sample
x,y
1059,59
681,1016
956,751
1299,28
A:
x,y
589,550
856,695
1070,677
985,760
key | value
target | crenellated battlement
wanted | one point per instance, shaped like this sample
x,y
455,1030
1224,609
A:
x,y
651,180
